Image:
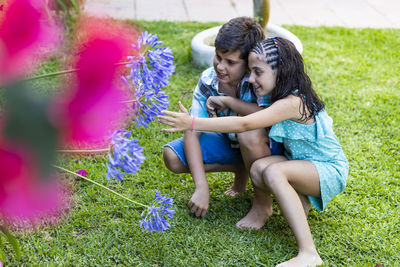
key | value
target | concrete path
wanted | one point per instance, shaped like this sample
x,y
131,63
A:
x,y
346,13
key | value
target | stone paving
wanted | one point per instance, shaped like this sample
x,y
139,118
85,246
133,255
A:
x,y
346,13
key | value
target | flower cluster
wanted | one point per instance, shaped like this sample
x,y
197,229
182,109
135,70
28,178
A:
x,y
149,104
149,72
126,155
160,59
157,214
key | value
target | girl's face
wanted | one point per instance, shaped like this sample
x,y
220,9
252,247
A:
x,y
229,67
262,77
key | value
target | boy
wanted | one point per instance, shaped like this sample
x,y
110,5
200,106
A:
x,y
201,152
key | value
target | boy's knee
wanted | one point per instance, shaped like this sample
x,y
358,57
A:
x,y
256,172
254,140
171,161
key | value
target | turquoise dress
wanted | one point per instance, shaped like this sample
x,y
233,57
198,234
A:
x,y
317,143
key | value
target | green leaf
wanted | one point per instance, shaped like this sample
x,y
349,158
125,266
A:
x,y
76,5
13,242
2,255
61,2
27,122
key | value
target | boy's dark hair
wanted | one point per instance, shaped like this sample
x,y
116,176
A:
x,y
282,56
240,33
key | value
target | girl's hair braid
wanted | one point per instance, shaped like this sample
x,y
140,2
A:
x,y
268,49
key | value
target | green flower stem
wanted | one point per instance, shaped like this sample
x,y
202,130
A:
x,y
129,101
84,150
102,186
56,73
51,74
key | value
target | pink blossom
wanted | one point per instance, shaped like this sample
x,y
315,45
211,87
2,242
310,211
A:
x,y
27,35
92,105
82,172
26,198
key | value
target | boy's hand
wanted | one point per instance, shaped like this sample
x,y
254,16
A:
x,y
179,121
215,104
199,202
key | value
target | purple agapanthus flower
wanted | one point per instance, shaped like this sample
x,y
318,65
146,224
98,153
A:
x,y
149,105
149,71
126,155
158,213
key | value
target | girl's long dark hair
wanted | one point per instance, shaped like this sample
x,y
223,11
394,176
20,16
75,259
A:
x,y
291,78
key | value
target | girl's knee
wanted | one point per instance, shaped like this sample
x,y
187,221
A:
x,y
273,176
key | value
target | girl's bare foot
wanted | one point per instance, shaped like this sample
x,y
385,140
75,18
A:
x,y
304,259
256,218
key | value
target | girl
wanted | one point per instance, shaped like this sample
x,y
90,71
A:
x,y
314,168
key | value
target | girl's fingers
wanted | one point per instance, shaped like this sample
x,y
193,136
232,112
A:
x,y
161,119
170,130
175,114
172,119
169,113
182,108
167,121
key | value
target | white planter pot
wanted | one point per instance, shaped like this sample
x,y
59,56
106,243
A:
x,y
203,49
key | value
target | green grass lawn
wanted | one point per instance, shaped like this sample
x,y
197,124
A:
x,y
356,73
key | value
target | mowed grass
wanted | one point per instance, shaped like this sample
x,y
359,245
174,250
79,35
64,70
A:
x,y
356,73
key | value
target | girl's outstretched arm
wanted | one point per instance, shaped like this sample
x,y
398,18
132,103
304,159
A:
x,y
218,103
284,109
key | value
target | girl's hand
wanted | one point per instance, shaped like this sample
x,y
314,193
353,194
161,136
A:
x,y
179,121
215,104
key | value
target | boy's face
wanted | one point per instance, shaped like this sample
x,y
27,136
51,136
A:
x,y
230,68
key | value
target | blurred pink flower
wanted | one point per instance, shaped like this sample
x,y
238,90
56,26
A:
x,y
27,35
93,105
82,172
26,198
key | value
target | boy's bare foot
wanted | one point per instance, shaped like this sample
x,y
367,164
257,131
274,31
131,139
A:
x,y
199,202
256,218
239,184
234,191
304,259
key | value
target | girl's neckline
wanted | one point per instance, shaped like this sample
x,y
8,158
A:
x,y
306,124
